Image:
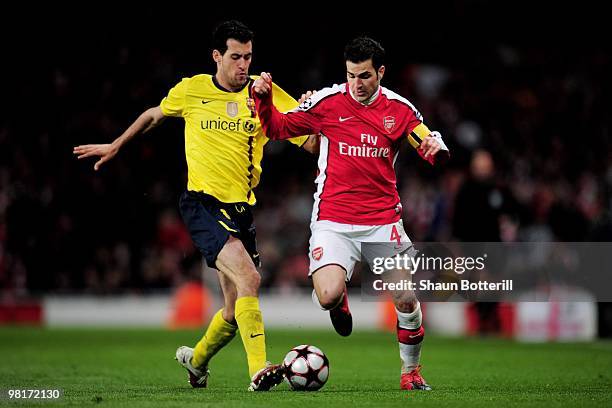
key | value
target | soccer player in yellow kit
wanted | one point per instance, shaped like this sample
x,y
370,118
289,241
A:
x,y
224,146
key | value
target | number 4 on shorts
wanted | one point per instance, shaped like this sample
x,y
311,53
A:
x,y
395,236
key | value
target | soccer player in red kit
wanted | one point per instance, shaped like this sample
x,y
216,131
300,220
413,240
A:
x,y
361,125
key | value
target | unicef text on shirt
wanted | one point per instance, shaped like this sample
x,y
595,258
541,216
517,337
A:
x,y
231,125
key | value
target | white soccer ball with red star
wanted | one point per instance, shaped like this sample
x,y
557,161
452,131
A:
x,y
306,368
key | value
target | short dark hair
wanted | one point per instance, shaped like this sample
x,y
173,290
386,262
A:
x,y
230,29
364,48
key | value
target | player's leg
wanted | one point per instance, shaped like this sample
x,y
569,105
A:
x,y
201,216
387,241
221,330
238,260
410,331
234,262
333,254
410,335
330,294
222,327
329,284
230,294
237,265
211,227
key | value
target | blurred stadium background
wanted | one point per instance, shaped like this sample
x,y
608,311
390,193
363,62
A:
x,y
524,109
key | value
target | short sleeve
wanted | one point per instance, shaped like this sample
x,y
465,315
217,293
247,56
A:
x,y
174,103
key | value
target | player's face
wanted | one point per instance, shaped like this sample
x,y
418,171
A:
x,y
363,79
233,65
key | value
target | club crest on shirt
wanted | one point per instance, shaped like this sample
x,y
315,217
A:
x,y
232,109
389,123
317,253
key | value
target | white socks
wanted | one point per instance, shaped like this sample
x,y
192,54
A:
x,y
410,335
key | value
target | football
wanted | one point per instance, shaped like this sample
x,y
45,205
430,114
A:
x,y
306,368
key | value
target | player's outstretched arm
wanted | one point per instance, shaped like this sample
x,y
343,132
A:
x,y
145,122
276,125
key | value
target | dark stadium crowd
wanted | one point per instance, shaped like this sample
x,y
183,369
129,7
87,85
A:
x,y
528,126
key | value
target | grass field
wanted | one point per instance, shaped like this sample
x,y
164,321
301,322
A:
x,y
135,368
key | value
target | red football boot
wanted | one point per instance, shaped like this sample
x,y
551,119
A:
x,y
414,381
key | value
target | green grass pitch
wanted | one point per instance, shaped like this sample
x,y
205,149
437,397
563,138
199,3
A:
x,y
135,368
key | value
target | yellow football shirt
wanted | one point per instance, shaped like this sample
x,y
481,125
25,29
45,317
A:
x,y
224,139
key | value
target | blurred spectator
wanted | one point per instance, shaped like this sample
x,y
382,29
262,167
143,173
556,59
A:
x,y
483,209
481,202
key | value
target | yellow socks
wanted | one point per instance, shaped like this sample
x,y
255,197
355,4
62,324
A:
x,y
251,328
218,334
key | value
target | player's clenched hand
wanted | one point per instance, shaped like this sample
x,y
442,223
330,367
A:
x,y
430,146
104,151
263,85
305,96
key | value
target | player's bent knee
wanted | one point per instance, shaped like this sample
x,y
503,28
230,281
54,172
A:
x,y
330,298
254,279
235,262
329,303
248,280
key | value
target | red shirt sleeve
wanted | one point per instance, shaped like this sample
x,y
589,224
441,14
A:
x,y
279,126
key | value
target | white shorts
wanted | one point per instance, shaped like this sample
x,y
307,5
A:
x,y
340,244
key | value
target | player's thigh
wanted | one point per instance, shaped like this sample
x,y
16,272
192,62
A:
x,y
215,228
329,283
391,241
203,220
241,214
236,263
384,241
332,244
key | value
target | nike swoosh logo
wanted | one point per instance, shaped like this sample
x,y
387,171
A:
x,y
341,119
414,336
255,335
205,102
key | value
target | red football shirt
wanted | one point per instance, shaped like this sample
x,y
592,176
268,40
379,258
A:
x,y
356,183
